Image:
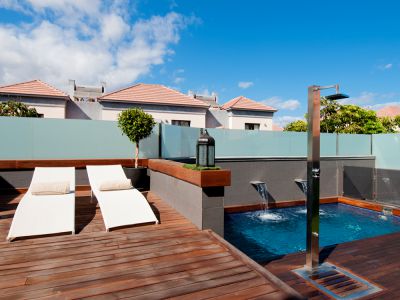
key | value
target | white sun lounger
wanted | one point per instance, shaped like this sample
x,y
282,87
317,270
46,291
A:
x,y
50,214
121,207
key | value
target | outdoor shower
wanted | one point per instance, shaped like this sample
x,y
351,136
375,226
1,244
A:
x,y
313,170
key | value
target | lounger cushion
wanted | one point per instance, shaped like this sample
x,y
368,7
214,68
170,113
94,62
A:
x,y
50,188
115,185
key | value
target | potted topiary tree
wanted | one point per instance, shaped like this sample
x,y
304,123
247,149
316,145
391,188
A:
x,y
136,125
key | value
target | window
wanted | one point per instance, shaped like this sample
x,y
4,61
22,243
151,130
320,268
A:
x,y
181,123
251,126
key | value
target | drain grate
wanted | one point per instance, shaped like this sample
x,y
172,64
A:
x,y
338,283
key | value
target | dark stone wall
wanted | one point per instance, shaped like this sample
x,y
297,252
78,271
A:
x,y
351,176
22,178
204,207
358,182
279,175
10,179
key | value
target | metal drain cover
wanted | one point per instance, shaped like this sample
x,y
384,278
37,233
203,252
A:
x,y
338,283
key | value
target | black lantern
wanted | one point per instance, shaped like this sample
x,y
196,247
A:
x,y
205,150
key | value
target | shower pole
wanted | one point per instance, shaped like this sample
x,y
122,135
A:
x,y
313,175
313,170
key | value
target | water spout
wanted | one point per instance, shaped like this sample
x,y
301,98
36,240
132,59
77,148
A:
x,y
302,184
262,189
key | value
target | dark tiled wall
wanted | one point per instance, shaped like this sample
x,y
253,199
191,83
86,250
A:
x,y
22,178
358,182
279,175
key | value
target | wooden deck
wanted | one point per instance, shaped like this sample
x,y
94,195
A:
x,y
376,260
170,260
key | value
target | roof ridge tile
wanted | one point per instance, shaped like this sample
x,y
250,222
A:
x,y
153,94
244,103
31,88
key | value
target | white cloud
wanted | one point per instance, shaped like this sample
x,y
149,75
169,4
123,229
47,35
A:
x,y
382,105
388,66
245,84
113,27
364,98
204,92
177,76
279,103
178,80
385,66
282,121
88,40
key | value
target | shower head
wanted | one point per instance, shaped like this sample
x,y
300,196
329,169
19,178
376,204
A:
x,y
337,96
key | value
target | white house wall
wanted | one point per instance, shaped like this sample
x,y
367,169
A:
x,y
48,107
237,120
164,114
53,112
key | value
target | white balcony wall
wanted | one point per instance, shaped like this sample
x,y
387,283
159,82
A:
x,y
238,119
161,113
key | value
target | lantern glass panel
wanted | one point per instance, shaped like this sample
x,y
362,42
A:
x,y
211,156
202,155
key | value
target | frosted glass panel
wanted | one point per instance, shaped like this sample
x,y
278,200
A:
x,y
31,138
244,143
178,141
354,144
328,144
16,138
386,148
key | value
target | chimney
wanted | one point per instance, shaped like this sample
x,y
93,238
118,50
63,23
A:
x,y
71,88
103,87
215,96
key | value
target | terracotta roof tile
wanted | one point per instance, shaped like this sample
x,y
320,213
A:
x,y
152,94
389,111
32,88
243,103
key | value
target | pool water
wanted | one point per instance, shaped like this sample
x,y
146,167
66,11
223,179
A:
x,y
266,236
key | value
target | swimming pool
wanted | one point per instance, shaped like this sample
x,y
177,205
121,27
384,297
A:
x,y
266,236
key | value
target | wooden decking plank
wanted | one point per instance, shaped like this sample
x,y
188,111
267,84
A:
x,y
173,288
172,258
163,261
374,259
254,291
139,283
111,275
82,250
114,255
120,270
228,289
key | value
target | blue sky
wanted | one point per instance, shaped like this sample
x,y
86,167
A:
x,y
269,51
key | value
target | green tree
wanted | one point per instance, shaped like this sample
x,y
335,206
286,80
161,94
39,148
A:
x,y
329,112
136,125
396,121
389,123
347,118
299,126
355,119
17,109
